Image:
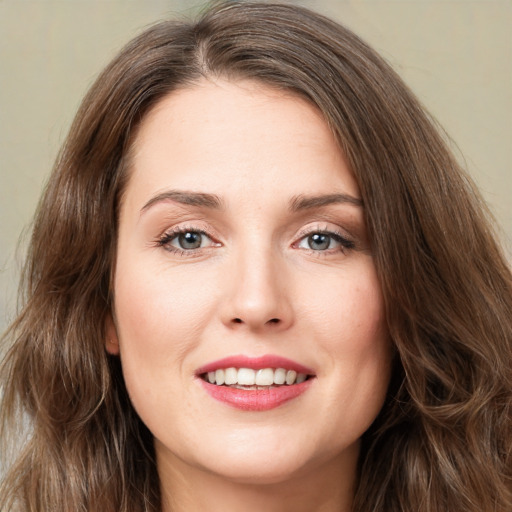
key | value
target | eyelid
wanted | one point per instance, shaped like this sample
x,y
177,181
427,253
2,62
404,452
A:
x,y
163,240
185,227
347,242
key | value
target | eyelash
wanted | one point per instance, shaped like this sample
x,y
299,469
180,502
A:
x,y
345,243
167,237
165,240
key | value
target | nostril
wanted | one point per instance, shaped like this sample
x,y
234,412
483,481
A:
x,y
271,321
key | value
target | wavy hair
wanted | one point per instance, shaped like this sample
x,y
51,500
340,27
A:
x,y
443,440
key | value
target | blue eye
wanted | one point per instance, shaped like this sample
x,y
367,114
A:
x,y
323,241
319,241
186,240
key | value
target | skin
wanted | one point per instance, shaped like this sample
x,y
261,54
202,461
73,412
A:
x,y
255,286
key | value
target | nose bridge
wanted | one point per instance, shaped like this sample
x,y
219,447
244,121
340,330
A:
x,y
259,292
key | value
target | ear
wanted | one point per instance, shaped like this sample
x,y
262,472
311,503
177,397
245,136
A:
x,y
112,341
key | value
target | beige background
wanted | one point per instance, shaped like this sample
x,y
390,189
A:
x,y
456,55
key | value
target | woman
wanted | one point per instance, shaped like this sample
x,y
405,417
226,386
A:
x,y
258,280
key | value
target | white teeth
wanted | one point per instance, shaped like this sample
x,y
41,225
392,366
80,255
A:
x,y
265,377
230,376
290,377
301,377
246,377
259,379
219,377
280,376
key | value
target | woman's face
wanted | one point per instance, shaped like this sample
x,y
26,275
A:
x,y
243,258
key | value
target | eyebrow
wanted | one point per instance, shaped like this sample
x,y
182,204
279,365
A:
x,y
302,202
190,198
297,203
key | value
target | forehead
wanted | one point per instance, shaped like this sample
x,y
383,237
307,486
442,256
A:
x,y
226,137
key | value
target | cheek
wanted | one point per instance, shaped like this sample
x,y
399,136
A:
x,y
157,328
349,311
363,337
351,330
155,306
160,317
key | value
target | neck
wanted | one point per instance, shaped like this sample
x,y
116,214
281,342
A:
x,y
326,488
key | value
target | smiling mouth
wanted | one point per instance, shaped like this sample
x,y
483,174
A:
x,y
249,379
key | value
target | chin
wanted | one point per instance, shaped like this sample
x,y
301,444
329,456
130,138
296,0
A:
x,y
267,463
249,472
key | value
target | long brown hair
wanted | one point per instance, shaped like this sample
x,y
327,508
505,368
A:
x,y
443,441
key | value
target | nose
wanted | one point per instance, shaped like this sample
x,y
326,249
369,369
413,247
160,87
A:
x,y
259,293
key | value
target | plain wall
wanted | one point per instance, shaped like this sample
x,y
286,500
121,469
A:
x,y
456,56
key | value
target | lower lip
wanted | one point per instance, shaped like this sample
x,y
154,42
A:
x,y
256,399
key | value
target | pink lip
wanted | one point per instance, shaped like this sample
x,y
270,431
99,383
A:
x,y
255,363
253,399
256,400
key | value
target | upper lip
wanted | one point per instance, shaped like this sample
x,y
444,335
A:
x,y
255,363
